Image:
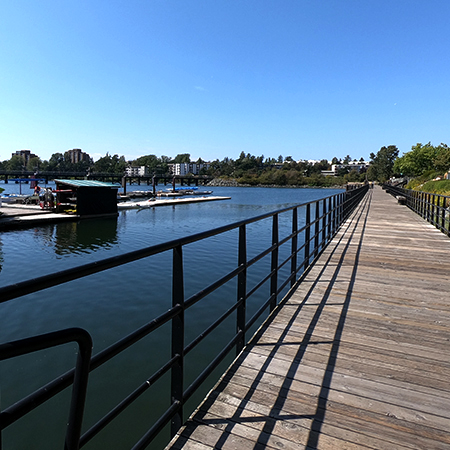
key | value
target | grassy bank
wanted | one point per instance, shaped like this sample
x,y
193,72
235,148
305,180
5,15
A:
x,y
441,187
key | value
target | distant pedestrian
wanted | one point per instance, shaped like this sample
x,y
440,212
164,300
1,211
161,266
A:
x,y
48,198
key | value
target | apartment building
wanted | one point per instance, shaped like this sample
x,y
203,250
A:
x,y
25,154
185,168
140,171
76,155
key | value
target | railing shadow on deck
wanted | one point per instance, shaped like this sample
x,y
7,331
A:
x,y
322,220
349,236
434,208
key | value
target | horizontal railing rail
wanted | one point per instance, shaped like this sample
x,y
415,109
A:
x,y
434,208
78,377
322,221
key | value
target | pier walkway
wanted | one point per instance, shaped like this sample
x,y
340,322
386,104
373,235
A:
x,y
358,357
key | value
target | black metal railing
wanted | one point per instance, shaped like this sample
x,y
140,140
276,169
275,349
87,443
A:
x,y
434,208
308,237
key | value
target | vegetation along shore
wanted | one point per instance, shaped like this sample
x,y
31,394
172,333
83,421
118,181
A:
x,y
426,167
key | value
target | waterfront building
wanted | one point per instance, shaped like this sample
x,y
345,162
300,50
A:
x,y
134,171
358,166
77,155
25,154
186,168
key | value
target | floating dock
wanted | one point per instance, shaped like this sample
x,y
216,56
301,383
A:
x,y
22,216
167,202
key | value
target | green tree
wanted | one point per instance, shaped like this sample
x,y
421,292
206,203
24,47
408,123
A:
x,y
442,159
424,159
182,158
417,161
150,161
83,166
110,164
354,176
247,163
59,162
382,164
16,163
34,164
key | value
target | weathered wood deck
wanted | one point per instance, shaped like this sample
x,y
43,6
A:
x,y
359,357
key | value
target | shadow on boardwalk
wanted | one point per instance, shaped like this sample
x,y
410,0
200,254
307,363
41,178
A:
x,y
353,359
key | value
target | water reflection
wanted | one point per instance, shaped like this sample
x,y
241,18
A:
x,y
85,236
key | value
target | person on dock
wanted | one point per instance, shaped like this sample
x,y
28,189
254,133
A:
x,y
48,198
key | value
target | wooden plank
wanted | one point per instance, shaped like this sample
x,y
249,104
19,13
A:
x,y
357,358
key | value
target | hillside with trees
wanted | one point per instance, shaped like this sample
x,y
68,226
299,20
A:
x,y
247,169
426,166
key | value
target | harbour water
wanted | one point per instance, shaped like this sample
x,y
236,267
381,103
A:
x,y
112,304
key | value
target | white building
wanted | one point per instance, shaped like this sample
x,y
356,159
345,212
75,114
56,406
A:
x,y
141,171
314,161
359,166
185,168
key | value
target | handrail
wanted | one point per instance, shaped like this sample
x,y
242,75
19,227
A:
x,y
434,208
323,219
79,379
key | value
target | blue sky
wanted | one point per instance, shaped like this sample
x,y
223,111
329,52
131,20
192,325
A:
x,y
310,79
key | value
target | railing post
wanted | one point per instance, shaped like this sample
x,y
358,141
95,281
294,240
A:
x,y
177,372
242,289
307,234
274,264
324,222
423,205
343,205
433,210
330,207
338,211
316,231
333,229
444,227
294,245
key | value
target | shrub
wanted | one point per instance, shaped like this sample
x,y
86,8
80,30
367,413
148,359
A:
x,y
441,187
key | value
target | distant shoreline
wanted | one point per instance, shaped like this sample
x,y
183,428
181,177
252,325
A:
x,y
221,182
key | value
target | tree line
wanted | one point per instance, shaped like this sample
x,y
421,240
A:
x,y
60,162
247,169
259,170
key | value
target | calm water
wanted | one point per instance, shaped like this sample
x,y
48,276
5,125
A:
x,y
114,303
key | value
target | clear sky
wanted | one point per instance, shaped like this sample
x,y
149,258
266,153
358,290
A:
x,y
311,79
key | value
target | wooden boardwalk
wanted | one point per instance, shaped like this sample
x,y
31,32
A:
x,y
358,357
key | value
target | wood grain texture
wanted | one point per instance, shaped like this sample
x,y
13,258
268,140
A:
x,y
357,358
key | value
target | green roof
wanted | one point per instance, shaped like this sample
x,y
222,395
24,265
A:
x,y
88,183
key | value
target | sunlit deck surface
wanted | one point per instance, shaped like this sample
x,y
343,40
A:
x,y
358,357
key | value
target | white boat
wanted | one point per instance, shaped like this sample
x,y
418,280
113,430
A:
x,y
182,191
13,198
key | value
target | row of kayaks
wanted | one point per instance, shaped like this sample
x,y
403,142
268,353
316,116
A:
x,y
182,191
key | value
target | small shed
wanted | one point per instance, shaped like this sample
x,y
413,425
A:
x,y
86,197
